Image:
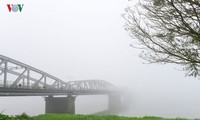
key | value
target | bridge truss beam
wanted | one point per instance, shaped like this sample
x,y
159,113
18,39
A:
x,y
18,79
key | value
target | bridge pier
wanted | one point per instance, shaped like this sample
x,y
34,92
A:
x,y
118,103
114,102
61,105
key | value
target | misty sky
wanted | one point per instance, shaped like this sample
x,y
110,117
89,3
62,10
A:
x,y
85,39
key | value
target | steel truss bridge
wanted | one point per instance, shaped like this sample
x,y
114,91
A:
x,y
19,79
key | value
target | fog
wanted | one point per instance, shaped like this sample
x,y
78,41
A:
x,y
78,40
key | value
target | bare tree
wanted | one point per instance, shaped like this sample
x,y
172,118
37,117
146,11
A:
x,y
167,31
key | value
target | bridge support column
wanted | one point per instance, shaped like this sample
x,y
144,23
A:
x,y
61,105
114,102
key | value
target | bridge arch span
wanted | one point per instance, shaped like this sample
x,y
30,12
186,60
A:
x,y
91,86
17,78
20,79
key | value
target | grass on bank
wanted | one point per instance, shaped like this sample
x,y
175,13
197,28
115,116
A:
x,y
80,117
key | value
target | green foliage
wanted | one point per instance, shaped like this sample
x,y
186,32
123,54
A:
x,y
94,117
4,117
24,116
